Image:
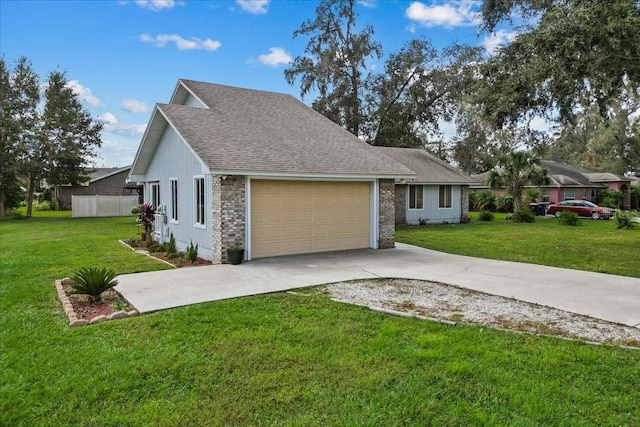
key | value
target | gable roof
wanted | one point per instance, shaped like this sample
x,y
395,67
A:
x,y
244,131
102,173
428,168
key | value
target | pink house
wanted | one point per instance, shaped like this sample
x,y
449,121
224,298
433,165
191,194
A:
x,y
571,183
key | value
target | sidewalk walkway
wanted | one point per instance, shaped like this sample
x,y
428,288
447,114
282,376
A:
x,y
603,296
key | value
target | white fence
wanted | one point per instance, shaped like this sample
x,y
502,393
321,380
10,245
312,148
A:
x,y
83,206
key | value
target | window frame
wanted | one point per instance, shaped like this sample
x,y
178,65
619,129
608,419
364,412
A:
x,y
413,199
445,198
199,196
174,200
155,194
572,191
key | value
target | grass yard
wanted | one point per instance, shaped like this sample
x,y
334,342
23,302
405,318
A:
x,y
276,359
592,246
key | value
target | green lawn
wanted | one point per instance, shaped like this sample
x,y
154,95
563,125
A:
x,y
592,246
277,359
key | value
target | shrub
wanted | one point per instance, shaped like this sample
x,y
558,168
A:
x,y
93,282
170,246
155,248
486,201
524,215
624,219
504,204
485,216
192,252
568,218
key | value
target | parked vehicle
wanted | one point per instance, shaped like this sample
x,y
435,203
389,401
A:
x,y
582,208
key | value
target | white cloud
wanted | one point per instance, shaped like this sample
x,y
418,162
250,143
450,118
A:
x,y
156,5
195,43
256,7
111,125
371,4
450,15
108,119
84,93
276,56
495,40
133,106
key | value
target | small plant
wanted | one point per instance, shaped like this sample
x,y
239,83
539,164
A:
x,y
485,216
568,218
235,247
170,246
191,254
175,255
155,248
146,217
93,282
624,220
422,221
523,215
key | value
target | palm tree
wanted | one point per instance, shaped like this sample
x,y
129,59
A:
x,y
515,170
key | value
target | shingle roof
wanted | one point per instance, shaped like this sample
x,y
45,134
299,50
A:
x,y
250,131
562,175
428,168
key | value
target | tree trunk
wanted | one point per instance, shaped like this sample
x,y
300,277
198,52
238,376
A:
x,y
32,189
2,212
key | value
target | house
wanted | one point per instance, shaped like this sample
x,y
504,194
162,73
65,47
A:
x,y
102,182
438,193
571,183
228,166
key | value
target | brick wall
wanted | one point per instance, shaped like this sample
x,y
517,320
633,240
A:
x,y
232,217
465,200
216,219
401,204
387,200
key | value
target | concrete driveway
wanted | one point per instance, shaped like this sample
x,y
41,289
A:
x,y
603,296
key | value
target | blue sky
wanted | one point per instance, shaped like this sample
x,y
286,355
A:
x,y
122,57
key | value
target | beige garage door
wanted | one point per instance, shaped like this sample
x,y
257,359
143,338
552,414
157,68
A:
x,y
295,217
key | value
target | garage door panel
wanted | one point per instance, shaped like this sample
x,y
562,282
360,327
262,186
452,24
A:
x,y
289,217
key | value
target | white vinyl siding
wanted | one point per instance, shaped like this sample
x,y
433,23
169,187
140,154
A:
x,y
444,197
174,199
416,197
199,192
175,160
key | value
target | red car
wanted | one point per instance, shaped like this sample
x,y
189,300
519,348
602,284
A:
x,y
582,208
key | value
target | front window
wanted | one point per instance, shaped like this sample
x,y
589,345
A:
x,y
569,194
155,195
199,193
174,199
416,200
444,197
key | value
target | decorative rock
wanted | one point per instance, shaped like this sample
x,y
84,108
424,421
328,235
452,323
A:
x,y
132,313
67,281
78,322
99,319
119,315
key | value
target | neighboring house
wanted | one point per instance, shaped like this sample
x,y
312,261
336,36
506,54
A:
x,y
102,182
438,193
571,183
232,166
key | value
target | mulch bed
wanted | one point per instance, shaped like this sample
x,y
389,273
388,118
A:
x,y
111,302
